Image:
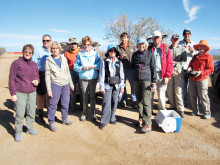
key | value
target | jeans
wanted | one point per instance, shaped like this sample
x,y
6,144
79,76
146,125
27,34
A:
x,y
129,74
109,105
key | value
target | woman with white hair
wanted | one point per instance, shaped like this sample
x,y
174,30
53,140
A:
x,y
143,62
58,82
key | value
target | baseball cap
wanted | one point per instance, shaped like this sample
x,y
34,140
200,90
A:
x,y
141,40
156,34
175,36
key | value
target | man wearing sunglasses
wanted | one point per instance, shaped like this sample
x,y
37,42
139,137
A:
x,y
40,57
70,55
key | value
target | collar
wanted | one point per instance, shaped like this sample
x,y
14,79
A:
x,y
45,49
108,59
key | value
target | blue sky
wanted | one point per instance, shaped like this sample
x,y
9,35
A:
x,y
25,21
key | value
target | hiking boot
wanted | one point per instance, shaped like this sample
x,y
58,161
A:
x,y
83,118
52,127
146,128
207,116
182,114
121,104
102,126
134,104
94,118
114,122
18,137
195,113
67,122
32,132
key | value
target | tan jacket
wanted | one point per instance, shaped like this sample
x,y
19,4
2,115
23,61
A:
x,y
53,73
128,52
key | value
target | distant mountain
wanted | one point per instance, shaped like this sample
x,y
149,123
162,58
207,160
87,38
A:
x,y
215,52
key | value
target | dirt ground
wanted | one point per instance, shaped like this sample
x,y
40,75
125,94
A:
x,y
198,141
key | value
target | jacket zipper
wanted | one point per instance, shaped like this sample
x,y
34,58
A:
x,y
140,68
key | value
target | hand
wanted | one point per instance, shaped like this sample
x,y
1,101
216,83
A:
x,y
166,80
122,90
189,69
175,73
35,83
85,68
191,49
198,73
154,87
92,67
103,92
14,98
122,56
72,88
49,93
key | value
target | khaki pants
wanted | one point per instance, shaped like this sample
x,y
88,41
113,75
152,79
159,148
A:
x,y
143,95
25,101
174,91
199,89
161,92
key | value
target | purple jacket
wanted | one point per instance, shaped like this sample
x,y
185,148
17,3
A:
x,y
22,73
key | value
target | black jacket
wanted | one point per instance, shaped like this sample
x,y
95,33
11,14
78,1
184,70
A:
x,y
144,65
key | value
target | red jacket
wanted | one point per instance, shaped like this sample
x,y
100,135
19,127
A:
x,y
204,64
71,56
166,60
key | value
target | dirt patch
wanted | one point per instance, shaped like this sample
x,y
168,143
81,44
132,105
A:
x,y
198,141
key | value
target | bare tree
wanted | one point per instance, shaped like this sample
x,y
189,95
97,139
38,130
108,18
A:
x,y
142,26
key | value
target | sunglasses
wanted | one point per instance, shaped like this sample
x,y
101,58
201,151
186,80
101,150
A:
x,y
86,44
46,40
112,51
73,44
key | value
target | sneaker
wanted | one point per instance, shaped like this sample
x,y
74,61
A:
x,y
182,114
83,118
138,123
18,137
195,113
52,127
146,128
207,116
32,132
94,118
102,126
67,122
114,122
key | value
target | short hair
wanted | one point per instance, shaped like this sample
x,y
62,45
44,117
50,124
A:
x,y
28,46
55,44
46,35
124,34
86,39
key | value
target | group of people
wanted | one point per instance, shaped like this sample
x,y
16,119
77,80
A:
x,y
53,76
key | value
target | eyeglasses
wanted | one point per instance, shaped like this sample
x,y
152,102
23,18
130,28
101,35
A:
x,y
86,44
46,40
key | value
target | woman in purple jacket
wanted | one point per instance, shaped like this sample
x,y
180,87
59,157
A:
x,y
23,79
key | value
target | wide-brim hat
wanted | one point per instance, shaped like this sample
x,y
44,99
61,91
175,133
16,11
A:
x,y
202,43
112,46
72,40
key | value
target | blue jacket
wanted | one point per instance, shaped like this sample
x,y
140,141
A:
x,y
84,58
40,56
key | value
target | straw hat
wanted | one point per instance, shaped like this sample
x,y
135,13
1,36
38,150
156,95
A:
x,y
202,43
